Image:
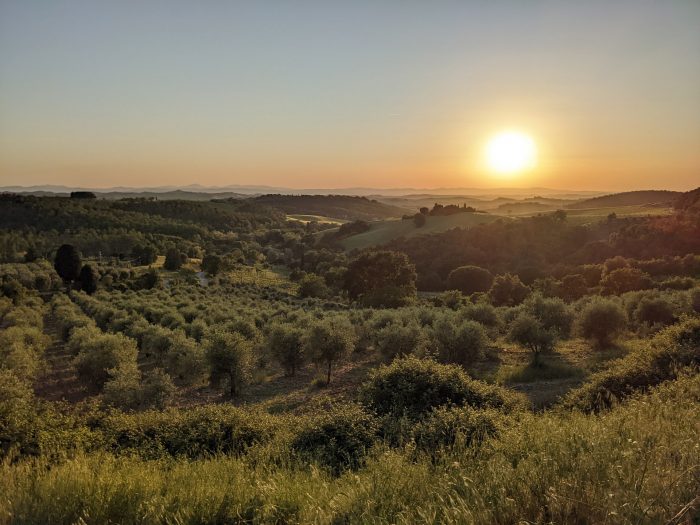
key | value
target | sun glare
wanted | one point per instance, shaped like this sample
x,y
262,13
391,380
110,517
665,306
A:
x,y
511,153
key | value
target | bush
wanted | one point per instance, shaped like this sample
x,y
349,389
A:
x,y
338,439
670,351
397,339
158,389
448,426
412,387
457,342
17,411
98,353
573,287
173,260
312,285
194,432
470,279
601,320
652,311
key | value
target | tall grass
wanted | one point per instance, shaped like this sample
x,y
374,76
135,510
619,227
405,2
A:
x,y
637,463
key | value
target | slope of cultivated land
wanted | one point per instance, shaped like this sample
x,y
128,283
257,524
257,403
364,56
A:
x,y
596,214
628,198
343,207
385,231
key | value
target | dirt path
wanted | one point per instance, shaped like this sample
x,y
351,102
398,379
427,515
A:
x,y
59,381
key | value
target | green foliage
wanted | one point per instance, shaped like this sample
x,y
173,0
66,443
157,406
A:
x,y
338,439
508,290
461,426
329,341
531,333
230,360
397,339
194,433
602,320
552,313
286,343
412,387
470,279
669,352
17,411
460,342
173,260
625,280
381,278
312,285
144,254
99,353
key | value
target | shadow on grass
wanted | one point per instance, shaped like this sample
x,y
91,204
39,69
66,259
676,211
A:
x,y
547,370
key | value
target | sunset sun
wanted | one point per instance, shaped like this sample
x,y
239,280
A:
x,y
510,153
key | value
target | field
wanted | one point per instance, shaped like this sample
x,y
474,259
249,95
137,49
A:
x,y
384,231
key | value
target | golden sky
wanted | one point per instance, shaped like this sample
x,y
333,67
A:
x,y
315,94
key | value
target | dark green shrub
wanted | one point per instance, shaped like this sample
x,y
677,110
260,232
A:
x,y
194,432
412,387
397,339
338,439
230,359
447,426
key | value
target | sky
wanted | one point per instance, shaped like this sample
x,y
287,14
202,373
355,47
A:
x,y
331,94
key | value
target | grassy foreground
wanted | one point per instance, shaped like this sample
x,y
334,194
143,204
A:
x,y
637,463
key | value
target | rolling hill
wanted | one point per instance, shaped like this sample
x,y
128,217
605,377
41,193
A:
x,y
384,231
343,207
628,198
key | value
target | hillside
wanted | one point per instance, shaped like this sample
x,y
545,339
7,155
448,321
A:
x,y
335,206
386,231
628,198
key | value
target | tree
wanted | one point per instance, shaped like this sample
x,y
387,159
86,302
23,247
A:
x,y
625,280
212,264
82,195
88,279
573,287
229,356
329,341
173,260
508,290
601,321
470,279
381,278
312,285
419,220
287,346
460,343
529,332
67,263
144,254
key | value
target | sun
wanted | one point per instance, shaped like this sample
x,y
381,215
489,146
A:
x,y
511,153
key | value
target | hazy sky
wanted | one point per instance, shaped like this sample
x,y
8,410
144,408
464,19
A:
x,y
356,93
